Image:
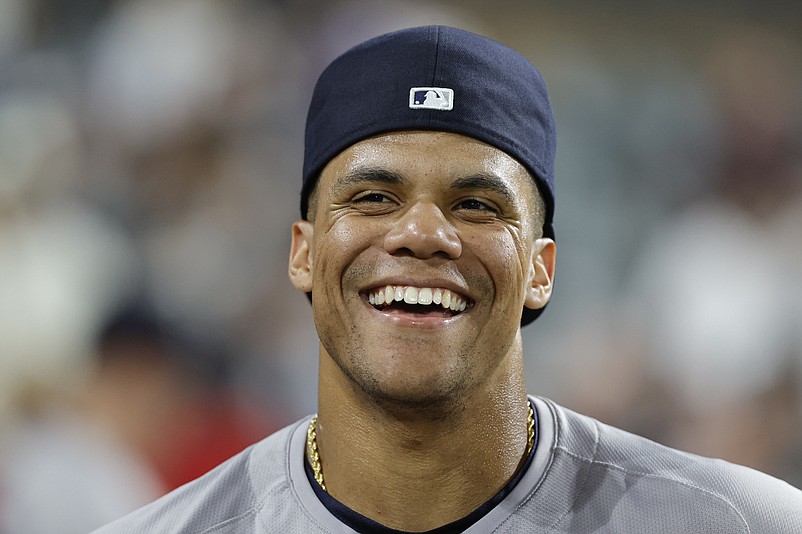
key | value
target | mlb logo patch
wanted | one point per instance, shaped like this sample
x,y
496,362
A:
x,y
440,98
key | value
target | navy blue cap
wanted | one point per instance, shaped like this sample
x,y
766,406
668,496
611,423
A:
x,y
434,78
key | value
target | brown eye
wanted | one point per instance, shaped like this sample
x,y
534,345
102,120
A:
x,y
372,197
373,203
473,204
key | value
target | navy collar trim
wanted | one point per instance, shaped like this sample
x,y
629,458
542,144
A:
x,y
365,525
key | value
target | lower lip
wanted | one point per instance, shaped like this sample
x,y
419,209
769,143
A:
x,y
414,320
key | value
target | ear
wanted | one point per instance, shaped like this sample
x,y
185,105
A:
x,y
301,256
541,274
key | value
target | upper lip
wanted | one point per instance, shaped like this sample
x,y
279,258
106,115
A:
x,y
420,282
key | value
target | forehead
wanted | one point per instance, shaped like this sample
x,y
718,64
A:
x,y
438,156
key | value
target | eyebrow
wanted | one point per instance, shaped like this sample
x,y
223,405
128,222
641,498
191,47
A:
x,y
483,181
361,175
486,181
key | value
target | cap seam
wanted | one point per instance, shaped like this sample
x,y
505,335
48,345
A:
x,y
436,54
435,67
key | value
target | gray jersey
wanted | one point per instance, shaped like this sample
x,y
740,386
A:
x,y
585,477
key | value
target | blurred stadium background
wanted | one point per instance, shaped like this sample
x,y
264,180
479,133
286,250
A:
x,y
150,159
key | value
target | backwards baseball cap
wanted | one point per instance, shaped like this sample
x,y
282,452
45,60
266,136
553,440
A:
x,y
434,78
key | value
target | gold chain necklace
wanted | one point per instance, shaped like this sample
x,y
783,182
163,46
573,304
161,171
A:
x,y
314,456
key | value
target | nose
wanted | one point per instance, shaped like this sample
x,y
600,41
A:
x,y
423,232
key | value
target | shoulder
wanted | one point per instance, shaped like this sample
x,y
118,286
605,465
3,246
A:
x,y
631,479
231,494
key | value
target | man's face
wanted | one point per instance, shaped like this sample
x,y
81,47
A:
x,y
442,222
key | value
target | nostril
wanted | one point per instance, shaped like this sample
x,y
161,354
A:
x,y
423,231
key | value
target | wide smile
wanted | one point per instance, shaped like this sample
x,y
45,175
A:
x,y
418,301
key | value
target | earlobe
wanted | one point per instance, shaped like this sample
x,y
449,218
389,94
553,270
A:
x,y
541,274
301,256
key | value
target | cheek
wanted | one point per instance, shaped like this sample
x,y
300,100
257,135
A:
x,y
502,259
337,255
333,246
513,271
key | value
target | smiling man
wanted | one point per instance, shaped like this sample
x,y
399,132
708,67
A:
x,y
426,243
421,250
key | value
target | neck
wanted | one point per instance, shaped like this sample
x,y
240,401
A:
x,y
446,459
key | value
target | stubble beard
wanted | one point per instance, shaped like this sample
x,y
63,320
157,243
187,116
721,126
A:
x,y
437,398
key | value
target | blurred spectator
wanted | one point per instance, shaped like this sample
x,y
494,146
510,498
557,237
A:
x,y
146,421
87,455
715,289
63,263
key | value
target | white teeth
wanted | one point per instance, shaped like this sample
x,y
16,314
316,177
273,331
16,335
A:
x,y
411,295
388,294
425,296
418,295
437,296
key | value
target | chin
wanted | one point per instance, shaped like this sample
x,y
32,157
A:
x,y
438,394
407,374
